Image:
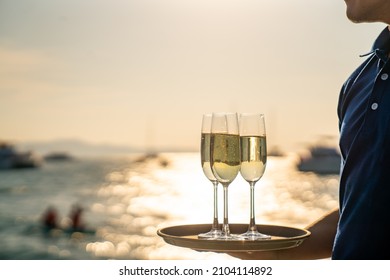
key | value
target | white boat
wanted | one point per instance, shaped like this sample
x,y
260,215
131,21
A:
x,y
10,158
321,160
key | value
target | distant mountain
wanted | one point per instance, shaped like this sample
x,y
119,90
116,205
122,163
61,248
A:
x,y
76,147
82,148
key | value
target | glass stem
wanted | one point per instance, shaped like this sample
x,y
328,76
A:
x,y
215,219
252,222
225,228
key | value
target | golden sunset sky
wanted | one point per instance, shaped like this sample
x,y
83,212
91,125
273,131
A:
x,y
142,72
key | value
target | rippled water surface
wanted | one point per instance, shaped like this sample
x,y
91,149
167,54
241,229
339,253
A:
x,y
126,200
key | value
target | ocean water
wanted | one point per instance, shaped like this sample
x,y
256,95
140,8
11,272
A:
x,y
126,200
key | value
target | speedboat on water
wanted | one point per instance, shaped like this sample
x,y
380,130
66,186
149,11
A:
x,y
10,158
321,160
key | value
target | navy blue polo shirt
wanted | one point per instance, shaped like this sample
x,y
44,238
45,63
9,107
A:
x,y
364,121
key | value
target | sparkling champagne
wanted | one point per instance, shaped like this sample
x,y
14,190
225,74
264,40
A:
x,y
253,157
225,156
205,156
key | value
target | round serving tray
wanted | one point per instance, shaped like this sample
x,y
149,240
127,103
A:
x,y
187,236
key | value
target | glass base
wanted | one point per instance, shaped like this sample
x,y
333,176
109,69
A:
x,y
254,235
230,236
212,234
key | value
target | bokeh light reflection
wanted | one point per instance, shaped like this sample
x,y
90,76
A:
x,y
139,200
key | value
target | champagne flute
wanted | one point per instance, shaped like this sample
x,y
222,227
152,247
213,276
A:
x,y
206,166
253,161
225,158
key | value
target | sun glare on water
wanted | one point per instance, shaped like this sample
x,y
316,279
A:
x,y
140,200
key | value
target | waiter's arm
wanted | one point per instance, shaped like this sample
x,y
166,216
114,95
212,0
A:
x,y
318,246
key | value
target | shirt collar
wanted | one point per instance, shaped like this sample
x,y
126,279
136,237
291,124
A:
x,y
381,46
